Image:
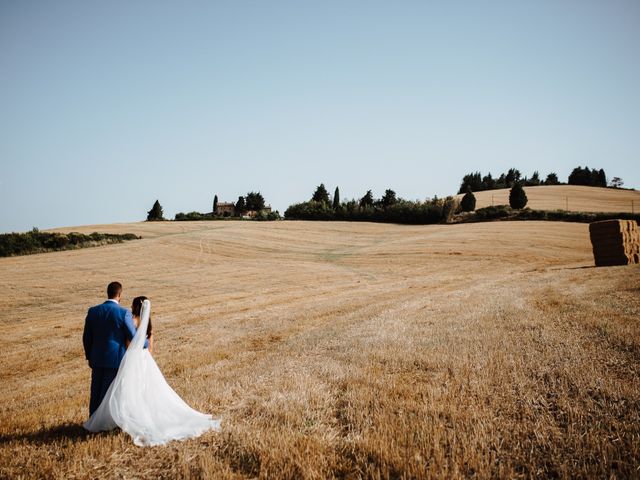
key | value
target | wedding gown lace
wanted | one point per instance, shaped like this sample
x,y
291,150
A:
x,y
142,403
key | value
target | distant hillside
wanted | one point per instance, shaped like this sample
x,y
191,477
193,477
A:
x,y
570,197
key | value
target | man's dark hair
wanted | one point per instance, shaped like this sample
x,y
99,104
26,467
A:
x,y
114,289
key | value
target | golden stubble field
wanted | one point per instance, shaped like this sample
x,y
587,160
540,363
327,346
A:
x,y
338,350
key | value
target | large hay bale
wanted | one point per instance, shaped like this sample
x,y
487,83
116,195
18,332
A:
x,y
615,242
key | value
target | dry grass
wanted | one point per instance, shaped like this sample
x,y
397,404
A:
x,y
338,350
554,197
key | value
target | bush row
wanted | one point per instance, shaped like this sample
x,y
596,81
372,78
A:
x,y
403,211
196,216
36,241
505,212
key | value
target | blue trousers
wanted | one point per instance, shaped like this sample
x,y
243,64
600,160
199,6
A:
x,y
101,378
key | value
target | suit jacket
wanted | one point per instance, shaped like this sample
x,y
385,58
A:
x,y
106,328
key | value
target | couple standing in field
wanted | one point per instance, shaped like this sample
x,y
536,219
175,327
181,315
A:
x,y
127,388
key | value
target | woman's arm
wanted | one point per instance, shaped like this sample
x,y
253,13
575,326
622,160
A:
x,y
150,343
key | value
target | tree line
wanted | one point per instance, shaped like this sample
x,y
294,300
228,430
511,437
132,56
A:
x,y
391,208
476,182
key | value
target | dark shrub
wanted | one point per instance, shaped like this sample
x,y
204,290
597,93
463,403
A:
x,y
267,216
517,196
490,213
468,202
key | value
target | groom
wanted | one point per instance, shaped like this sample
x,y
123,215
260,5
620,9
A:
x,y
106,329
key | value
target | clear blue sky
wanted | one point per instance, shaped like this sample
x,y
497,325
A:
x,y
107,106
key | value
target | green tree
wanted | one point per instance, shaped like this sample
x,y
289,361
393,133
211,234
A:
x,y
367,200
215,204
534,180
240,206
468,202
579,176
601,178
321,194
389,198
254,201
471,180
552,179
488,183
616,182
513,176
155,213
589,177
517,196
336,198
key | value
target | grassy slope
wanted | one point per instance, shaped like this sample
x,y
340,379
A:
x,y
553,197
338,349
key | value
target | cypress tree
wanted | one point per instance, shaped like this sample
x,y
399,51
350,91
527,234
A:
x,y
155,213
240,206
517,196
215,204
336,198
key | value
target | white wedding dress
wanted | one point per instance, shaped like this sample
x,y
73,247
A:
x,y
141,402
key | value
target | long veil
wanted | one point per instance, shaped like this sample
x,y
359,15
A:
x,y
142,403
141,334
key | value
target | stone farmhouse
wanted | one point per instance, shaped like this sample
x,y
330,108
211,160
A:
x,y
228,209
225,209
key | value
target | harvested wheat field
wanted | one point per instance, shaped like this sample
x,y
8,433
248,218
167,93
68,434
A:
x,y
574,198
338,350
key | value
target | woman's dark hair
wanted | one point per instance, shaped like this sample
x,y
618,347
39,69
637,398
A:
x,y
136,308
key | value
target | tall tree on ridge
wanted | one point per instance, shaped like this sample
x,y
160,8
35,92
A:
x,y
552,179
155,213
321,194
601,178
367,200
389,198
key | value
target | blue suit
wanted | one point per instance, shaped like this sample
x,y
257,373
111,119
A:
x,y
106,328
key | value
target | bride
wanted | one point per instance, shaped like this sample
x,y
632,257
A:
x,y
142,403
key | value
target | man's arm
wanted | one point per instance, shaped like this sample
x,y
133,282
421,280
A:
x,y
130,329
87,337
